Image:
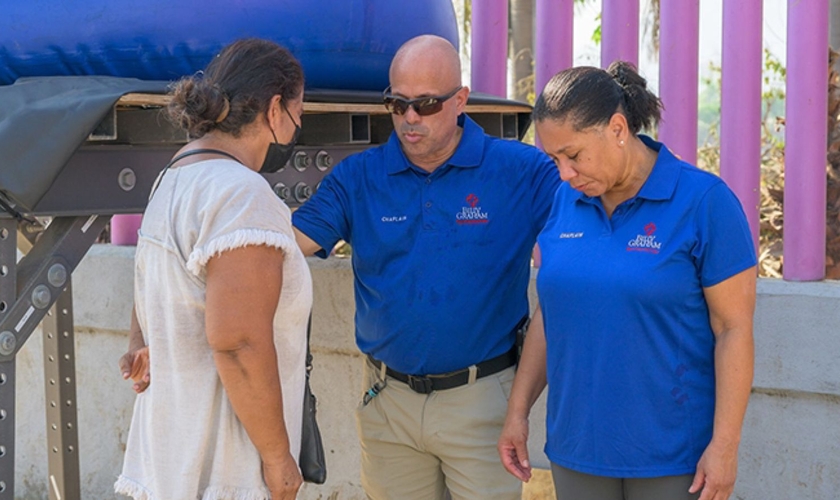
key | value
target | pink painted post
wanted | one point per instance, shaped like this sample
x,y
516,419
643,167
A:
x,y
124,229
554,47
489,47
806,140
620,31
554,50
679,41
740,109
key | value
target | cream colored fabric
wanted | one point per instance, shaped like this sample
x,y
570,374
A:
x,y
185,440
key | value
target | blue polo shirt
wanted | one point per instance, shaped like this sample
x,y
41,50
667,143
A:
x,y
442,260
630,348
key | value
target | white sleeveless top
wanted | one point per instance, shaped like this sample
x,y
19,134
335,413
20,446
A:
x,y
185,440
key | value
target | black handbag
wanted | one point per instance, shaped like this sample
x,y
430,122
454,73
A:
x,y
312,462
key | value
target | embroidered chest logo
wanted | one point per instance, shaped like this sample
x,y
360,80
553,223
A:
x,y
472,213
645,242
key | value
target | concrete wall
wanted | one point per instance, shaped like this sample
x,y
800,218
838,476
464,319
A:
x,y
791,442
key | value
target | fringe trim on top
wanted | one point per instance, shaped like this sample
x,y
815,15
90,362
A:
x,y
238,239
130,488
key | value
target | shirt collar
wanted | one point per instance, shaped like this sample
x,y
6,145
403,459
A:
x,y
468,154
662,180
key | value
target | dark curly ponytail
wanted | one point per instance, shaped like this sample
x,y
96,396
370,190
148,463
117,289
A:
x,y
590,96
236,87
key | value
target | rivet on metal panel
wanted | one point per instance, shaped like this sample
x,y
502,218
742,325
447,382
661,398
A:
x,y
41,297
127,179
8,342
57,275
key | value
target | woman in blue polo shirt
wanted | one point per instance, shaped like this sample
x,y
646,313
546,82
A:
x,y
647,292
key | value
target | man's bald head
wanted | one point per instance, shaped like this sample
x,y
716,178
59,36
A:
x,y
427,56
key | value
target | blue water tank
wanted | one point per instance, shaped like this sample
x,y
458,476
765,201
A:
x,y
342,44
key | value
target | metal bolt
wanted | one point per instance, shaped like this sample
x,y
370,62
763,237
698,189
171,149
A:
x,y
127,179
57,275
281,190
41,297
8,342
323,160
302,192
301,160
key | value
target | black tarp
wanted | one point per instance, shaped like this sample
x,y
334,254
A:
x,y
44,120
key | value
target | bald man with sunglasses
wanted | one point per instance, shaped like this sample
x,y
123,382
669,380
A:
x,y
442,220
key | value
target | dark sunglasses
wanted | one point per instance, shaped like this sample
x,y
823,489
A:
x,y
423,106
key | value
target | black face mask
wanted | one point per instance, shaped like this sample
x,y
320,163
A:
x,y
279,154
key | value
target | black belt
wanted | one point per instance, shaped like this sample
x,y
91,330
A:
x,y
429,383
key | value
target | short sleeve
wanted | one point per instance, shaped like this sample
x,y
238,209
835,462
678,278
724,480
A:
x,y
545,184
325,217
237,211
724,242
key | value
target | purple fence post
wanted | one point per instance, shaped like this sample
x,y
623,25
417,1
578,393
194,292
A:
x,y
555,40
806,140
679,42
620,31
740,109
488,62
554,50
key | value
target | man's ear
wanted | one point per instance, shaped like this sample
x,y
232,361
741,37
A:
x,y
461,98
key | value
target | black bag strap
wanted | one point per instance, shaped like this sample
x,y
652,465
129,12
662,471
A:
x,y
308,352
185,154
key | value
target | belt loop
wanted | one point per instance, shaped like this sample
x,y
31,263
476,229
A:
x,y
383,369
473,374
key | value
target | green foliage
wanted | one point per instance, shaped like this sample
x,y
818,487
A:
x,y
596,35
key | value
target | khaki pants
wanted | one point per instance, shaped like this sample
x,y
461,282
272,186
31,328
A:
x,y
416,446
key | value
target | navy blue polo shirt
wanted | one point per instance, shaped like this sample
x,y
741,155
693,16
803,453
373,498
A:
x,y
630,348
442,260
